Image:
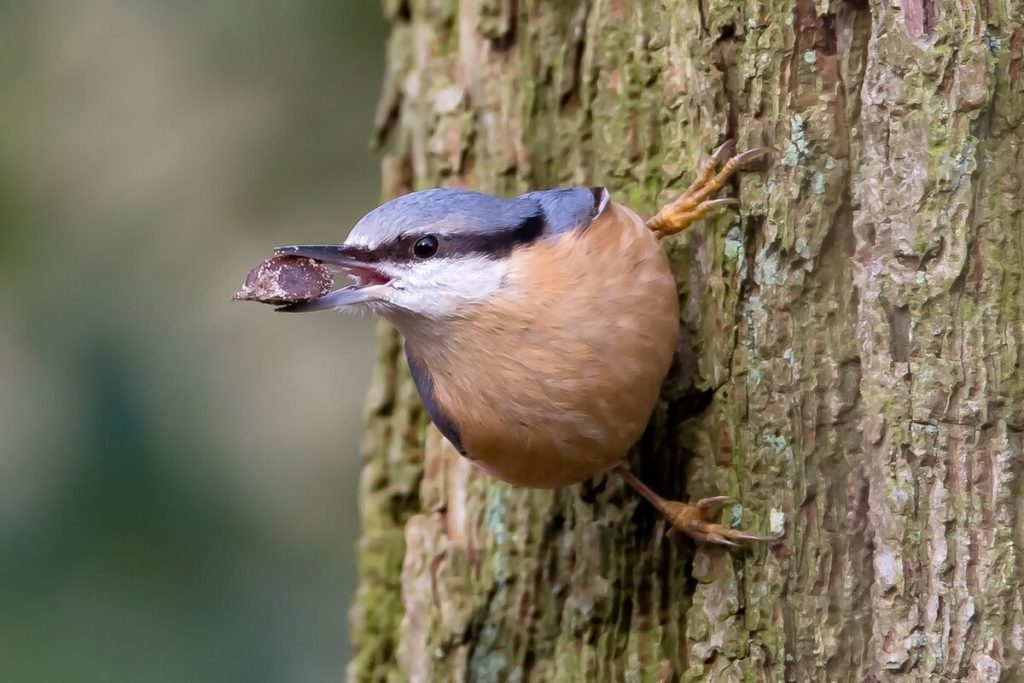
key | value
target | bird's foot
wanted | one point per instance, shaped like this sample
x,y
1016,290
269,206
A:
x,y
694,519
696,201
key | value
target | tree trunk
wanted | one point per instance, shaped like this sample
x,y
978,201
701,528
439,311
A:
x,y
850,365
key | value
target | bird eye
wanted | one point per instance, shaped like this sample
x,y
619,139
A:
x,y
425,247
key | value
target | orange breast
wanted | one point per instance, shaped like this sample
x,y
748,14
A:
x,y
555,378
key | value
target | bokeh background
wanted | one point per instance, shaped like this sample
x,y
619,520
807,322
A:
x,y
177,471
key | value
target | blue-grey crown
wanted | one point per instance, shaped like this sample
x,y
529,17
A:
x,y
468,214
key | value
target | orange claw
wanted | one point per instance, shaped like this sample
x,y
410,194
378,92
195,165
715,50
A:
x,y
692,519
696,202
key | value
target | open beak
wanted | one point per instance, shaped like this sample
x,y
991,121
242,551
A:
x,y
369,282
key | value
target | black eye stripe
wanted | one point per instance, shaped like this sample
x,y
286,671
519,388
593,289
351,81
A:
x,y
488,244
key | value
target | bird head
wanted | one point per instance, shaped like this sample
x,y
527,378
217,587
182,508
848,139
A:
x,y
429,255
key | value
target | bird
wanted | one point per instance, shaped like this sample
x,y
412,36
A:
x,y
538,329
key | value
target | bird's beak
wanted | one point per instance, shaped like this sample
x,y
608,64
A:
x,y
343,255
369,282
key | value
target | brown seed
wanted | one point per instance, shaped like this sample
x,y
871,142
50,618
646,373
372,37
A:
x,y
283,280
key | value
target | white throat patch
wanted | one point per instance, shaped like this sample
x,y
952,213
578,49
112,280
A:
x,y
440,288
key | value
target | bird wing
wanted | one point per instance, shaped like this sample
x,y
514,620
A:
x,y
425,386
572,208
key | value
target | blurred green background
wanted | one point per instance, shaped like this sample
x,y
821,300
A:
x,y
177,472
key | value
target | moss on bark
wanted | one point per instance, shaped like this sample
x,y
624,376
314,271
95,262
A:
x,y
850,365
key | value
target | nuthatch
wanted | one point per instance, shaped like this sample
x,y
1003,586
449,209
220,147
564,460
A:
x,y
538,329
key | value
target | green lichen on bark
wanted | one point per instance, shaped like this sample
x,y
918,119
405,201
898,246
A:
x,y
850,358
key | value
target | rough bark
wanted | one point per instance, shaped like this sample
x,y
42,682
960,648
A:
x,y
850,365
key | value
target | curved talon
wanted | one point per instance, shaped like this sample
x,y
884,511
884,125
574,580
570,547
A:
x,y
725,201
724,151
696,202
745,158
713,502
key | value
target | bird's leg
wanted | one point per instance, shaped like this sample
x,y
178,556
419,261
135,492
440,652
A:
x,y
697,200
692,519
